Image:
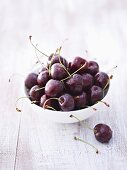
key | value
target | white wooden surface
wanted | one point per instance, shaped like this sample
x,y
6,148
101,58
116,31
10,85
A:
x,y
98,26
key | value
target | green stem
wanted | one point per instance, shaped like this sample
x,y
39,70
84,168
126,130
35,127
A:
x,y
83,124
40,89
74,72
81,140
48,100
19,110
47,106
30,38
59,50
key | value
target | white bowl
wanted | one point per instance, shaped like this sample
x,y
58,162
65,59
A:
x,y
64,117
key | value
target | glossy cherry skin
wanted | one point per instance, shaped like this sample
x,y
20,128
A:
x,y
31,80
88,81
77,63
96,94
35,93
66,102
103,133
92,67
81,100
55,58
58,72
101,79
51,103
43,99
74,84
54,88
43,78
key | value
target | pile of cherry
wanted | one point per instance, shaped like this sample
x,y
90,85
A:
x,y
67,86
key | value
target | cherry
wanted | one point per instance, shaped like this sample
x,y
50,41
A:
x,y
88,81
31,80
35,47
36,93
46,103
103,133
81,100
55,58
77,63
66,102
58,72
105,90
54,88
101,79
43,78
74,84
43,99
92,67
96,94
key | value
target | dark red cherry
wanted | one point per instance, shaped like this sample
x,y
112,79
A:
x,y
50,102
31,80
43,99
35,93
58,72
66,102
96,94
74,85
88,81
101,79
54,88
54,58
92,67
81,100
77,63
43,78
103,133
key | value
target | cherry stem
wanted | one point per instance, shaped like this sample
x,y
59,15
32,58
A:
x,y
40,89
81,140
59,50
82,123
91,108
108,82
19,110
66,39
86,51
39,61
106,104
30,38
51,63
111,76
15,74
49,107
52,60
44,105
112,69
74,72
34,102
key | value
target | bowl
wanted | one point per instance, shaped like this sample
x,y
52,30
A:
x,y
63,117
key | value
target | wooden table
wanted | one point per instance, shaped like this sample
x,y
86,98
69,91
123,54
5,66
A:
x,y
97,26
